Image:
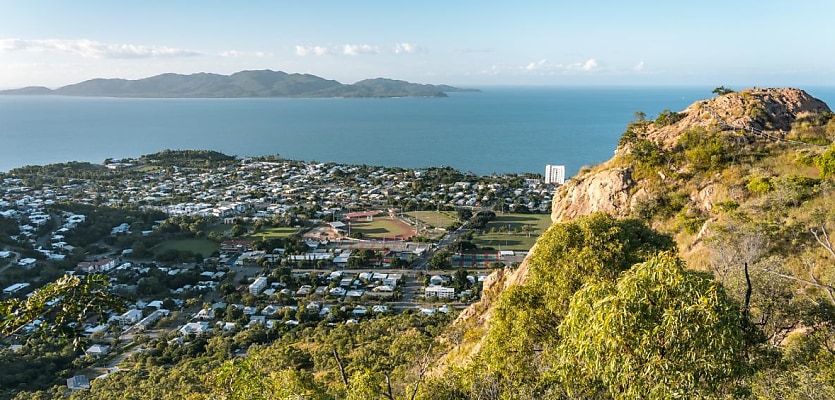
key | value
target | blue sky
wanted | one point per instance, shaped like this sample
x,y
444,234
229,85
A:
x,y
474,43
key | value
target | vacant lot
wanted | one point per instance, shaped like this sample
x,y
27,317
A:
x,y
513,231
202,246
383,228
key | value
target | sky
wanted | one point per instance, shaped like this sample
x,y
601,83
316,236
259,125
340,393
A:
x,y
472,43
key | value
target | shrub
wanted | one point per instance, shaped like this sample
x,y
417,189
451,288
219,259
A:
x,y
760,185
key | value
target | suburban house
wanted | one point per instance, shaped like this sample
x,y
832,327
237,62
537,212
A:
x,y
78,382
195,328
92,267
97,350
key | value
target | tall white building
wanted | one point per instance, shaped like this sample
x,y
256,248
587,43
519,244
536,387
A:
x,y
555,174
256,287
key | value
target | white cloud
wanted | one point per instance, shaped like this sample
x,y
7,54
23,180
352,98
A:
x,y
236,53
357,49
92,49
406,48
533,66
639,66
313,50
589,65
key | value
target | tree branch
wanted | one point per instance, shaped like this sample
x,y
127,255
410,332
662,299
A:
x,y
829,289
748,291
823,238
388,392
422,371
341,367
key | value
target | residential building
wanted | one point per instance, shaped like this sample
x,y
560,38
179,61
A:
x,y
555,174
258,286
441,292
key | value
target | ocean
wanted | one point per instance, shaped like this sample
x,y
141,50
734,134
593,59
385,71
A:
x,y
499,130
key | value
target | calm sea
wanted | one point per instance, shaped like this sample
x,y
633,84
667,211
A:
x,y
498,130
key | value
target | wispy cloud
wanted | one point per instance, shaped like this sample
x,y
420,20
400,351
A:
x,y
639,66
357,49
407,48
92,49
543,67
589,65
236,53
533,66
313,50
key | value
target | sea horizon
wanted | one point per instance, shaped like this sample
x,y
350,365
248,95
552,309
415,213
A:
x,y
500,130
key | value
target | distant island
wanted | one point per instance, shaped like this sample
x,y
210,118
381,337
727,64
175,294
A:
x,y
244,84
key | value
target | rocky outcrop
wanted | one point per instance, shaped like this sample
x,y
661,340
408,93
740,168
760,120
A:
x,y
772,110
606,190
611,187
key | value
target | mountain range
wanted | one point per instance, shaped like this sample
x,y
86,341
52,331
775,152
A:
x,y
262,83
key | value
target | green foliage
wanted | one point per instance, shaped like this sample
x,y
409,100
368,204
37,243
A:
x,y
703,150
690,220
659,332
68,300
826,163
648,153
187,158
588,250
759,185
668,117
440,260
721,90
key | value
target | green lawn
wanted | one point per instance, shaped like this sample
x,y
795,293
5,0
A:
x,y
438,219
274,232
202,246
506,231
380,228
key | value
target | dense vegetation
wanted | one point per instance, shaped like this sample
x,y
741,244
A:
x,y
381,357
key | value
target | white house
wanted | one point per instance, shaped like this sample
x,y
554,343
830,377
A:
x,y
97,350
195,328
130,317
440,292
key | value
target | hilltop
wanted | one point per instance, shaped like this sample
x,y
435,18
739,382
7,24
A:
x,y
736,190
244,84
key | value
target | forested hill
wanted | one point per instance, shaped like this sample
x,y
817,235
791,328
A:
x,y
696,263
263,83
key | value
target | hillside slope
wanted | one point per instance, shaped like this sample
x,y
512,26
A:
x,y
738,181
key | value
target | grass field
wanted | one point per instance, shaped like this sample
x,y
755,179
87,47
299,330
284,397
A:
x,y
381,228
506,231
438,219
275,232
201,246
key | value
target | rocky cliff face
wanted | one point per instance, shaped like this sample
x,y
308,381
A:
x,y
607,190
